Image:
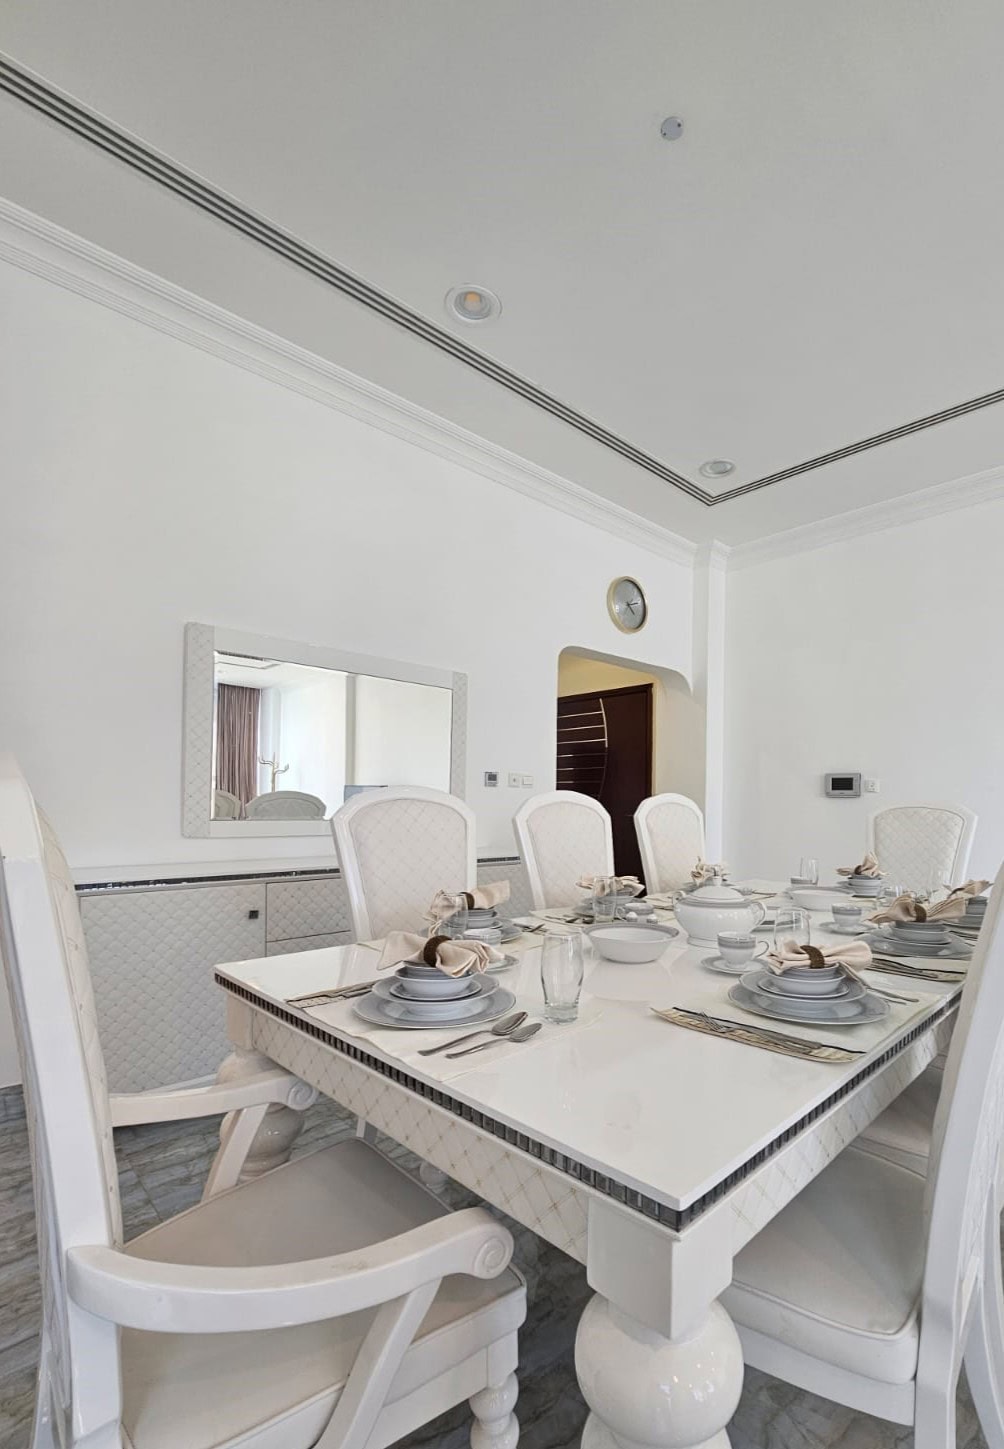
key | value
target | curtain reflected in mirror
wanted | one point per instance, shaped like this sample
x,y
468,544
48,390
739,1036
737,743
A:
x,y
292,741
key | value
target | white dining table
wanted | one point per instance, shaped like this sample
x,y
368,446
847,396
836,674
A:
x,y
648,1152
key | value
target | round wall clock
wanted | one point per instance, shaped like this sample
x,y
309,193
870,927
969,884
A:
x,y
627,605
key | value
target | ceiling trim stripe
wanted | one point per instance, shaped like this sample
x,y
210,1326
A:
x,y
69,113
39,246
47,99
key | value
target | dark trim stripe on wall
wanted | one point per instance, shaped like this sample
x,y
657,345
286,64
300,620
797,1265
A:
x,y
69,113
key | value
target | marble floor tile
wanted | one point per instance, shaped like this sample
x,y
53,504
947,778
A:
x,y
162,1170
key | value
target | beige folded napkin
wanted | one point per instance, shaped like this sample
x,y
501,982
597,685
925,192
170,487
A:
x,y
704,870
952,908
621,883
971,888
869,866
854,956
444,903
453,958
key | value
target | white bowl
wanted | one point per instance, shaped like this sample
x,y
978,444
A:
x,y
434,988
814,898
808,983
865,885
633,944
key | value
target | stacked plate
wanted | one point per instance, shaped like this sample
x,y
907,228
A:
x,y
419,997
485,924
824,996
968,926
920,938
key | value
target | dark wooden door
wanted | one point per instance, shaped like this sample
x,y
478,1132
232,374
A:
x,y
605,750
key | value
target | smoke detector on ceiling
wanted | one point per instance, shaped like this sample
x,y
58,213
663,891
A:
x,y
717,468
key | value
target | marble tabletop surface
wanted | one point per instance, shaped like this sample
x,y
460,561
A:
x,y
666,1111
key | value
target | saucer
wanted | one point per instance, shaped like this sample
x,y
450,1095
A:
x,y
725,968
839,930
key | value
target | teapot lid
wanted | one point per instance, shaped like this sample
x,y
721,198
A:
x,y
716,895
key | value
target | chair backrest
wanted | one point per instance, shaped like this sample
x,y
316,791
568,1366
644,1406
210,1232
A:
x,y
670,830
285,805
396,849
966,1149
226,806
563,835
66,1099
916,844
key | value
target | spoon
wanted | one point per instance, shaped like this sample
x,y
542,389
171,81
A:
x,y
522,1033
501,1028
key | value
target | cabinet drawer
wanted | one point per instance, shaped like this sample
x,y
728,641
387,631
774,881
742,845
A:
x,y
305,908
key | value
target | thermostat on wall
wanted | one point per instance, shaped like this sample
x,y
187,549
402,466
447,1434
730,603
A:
x,y
846,786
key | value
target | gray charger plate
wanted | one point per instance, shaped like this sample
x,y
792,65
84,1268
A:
x,y
391,1013
836,1013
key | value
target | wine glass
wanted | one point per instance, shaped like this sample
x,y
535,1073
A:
x,y
791,925
808,870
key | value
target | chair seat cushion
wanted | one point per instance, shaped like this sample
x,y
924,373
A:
x,y
902,1133
279,1387
837,1274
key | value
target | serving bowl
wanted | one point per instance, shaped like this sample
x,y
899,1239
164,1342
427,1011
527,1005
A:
x,y
816,898
632,944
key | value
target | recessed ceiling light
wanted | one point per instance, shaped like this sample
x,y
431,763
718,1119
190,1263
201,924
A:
x,y
473,304
717,468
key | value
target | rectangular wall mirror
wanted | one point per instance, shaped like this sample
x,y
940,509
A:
x,y
279,734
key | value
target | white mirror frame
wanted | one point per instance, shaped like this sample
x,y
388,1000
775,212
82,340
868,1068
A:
x,y
201,644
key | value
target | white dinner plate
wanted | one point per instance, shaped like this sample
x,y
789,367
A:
x,y
452,1009
387,1012
957,950
811,1013
844,989
417,988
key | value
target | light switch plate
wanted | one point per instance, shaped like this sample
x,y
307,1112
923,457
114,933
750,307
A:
x,y
527,782
515,780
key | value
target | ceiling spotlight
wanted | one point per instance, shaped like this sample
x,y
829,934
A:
x,y
473,304
717,468
671,128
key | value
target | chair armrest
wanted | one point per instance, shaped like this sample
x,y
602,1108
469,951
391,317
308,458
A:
x,y
130,1109
181,1298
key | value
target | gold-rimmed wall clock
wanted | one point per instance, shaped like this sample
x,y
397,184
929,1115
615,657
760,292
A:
x,y
627,605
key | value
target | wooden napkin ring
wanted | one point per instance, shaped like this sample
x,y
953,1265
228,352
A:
x,y
468,897
816,958
920,911
430,950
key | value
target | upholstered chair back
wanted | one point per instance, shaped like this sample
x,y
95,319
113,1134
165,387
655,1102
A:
x,y
563,835
917,845
670,831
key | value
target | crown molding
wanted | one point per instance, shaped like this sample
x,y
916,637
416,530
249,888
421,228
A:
x,y
35,245
967,492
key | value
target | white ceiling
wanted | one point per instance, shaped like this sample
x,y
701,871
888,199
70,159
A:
x,y
817,260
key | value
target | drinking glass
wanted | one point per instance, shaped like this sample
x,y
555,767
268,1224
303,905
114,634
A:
x,y
561,969
808,870
454,922
604,899
791,925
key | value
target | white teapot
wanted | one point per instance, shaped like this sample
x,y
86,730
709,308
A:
x,y
713,908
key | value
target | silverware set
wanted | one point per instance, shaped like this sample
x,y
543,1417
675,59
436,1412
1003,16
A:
x,y
337,993
501,1028
760,1036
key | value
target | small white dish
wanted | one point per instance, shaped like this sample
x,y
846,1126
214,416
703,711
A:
x,y
842,929
634,945
715,963
842,990
385,1011
800,984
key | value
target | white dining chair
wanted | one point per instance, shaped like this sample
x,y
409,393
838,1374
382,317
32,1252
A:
x,y
285,805
918,845
670,830
396,849
226,806
872,1287
562,835
332,1302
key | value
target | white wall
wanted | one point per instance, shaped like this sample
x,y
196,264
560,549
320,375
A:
x,y
878,654
144,481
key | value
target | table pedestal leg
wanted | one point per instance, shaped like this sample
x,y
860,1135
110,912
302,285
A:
x,y
650,1392
273,1142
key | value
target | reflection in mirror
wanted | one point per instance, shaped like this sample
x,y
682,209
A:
x,y
293,741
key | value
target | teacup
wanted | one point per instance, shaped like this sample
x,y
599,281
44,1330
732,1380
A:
x,y
736,947
847,915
